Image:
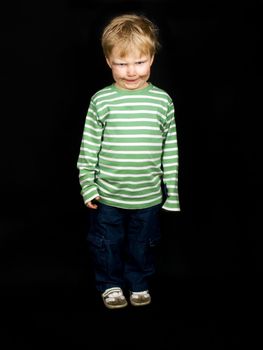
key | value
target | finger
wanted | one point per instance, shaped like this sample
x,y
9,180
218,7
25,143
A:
x,y
92,204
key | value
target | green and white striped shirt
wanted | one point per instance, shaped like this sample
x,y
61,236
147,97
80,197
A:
x,y
128,147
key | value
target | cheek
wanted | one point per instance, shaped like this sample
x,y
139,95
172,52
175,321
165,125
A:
x,y
144,71
117,72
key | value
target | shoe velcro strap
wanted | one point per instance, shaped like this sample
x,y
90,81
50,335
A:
x,y
111,290
144,292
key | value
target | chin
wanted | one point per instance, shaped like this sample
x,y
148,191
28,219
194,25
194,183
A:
x,y
134,86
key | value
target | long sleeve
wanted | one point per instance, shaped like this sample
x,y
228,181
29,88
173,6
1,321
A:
x,y
170,162
88,156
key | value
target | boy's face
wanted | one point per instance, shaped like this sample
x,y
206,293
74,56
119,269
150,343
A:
x,y
132,71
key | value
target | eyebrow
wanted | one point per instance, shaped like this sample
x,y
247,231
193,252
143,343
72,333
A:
x,y
125,62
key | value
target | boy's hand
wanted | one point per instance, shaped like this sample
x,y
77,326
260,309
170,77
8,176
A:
x,y
92,204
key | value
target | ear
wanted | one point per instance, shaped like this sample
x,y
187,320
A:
x,y
108,62
152,59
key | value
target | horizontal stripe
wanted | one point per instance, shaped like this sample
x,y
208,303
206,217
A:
x,y
127,189
129,104
132,152
129,174
129,183
133,144
133,202
132,128
132,112
118,160
129,196
119,98
129,136
125,168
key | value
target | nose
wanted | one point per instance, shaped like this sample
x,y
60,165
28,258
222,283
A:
x,y
131,70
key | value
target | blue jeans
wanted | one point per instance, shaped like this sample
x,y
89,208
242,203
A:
x,y
122,246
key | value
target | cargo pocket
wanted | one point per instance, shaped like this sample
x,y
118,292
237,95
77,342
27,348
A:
x,y
152,253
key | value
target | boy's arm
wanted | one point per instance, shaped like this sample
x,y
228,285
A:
x,y
88,156
170,163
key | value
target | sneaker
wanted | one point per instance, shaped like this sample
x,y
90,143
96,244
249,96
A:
x,y
113,298
140,298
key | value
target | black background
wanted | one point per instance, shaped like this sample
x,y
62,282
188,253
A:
x,y
51,64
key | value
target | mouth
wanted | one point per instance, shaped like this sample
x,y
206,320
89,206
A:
x,y
131,80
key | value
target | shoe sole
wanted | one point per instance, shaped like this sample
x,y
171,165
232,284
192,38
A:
x,y
117,306
140,304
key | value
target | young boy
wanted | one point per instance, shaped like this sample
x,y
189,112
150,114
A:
x,y
128,164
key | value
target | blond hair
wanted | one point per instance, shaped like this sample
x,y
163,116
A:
x,y
130,31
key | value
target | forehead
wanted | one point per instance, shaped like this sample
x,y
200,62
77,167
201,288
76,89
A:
x,y
128,54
